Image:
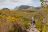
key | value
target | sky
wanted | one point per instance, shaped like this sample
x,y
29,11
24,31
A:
x,y
11,4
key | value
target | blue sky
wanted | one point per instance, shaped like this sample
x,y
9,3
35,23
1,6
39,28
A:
x,y
13,3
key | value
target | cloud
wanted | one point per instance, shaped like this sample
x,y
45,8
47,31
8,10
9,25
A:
x,y
2,0
14,3
36,3
20,0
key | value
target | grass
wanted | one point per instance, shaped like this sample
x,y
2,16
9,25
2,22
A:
x,y
23,19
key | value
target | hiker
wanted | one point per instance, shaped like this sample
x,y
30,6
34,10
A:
x,y
33,21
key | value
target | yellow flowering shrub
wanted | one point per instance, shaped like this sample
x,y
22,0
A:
x,y
11,19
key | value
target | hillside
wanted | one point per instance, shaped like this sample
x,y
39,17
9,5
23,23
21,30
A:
x,y
14,21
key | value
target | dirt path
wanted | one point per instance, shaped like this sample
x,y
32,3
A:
x,y
33,27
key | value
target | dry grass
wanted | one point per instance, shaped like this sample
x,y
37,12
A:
x,y
22,19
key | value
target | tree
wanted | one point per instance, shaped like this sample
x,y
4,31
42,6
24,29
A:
x,y
43,3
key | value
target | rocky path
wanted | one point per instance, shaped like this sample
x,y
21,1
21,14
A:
x,y
33,27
